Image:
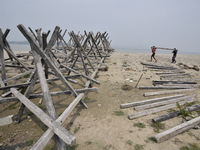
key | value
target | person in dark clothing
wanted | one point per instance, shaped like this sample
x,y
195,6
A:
x,y
174,55
153,49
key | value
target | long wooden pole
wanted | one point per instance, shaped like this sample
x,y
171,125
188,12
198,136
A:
x,y
176,130
165,48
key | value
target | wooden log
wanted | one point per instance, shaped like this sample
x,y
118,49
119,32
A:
x,y
172,72
174,75
156,65
176,130
161,68
156,82
164,87
66,136
149,101
16,66
18,76
21,85
157,104
3,69
162,108
6,94
15,86
165,48
6,120
85,76
45,89
175,113
32,96
167,92
45,138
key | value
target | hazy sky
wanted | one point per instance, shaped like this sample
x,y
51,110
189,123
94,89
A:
x,y
134,24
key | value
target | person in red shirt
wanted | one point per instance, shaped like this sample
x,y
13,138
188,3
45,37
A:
x,y
153,53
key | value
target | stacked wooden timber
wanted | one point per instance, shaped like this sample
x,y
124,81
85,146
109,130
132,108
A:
x,y
72,62
178,82
157,105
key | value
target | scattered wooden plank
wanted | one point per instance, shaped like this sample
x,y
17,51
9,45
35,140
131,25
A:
x,y
164,87
149,101
157,104
175,113
18,76
161,68
176,130
172,72
154,110
156,82
167,92
32,96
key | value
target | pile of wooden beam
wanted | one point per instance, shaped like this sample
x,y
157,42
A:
x,y
72,62
178,85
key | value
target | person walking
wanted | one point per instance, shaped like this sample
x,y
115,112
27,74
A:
x,y
153,49
174,55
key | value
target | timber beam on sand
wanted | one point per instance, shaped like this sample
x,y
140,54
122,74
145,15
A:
x,y
33,96
158,109
175,113
157,104
149,101
160,82
163,136
54,60
170,72
164,87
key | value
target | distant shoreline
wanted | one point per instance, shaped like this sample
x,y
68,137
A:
x,y
26,47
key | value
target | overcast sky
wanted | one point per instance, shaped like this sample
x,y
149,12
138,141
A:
x,y
133,24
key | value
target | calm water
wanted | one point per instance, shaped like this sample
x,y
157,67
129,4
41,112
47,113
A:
x,y
20,47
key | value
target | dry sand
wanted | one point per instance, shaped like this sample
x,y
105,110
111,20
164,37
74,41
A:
x,y
97,127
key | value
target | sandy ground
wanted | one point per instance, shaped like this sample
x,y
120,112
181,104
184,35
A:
x,y
98,127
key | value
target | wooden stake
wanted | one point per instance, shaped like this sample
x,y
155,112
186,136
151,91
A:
x,y
139,80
